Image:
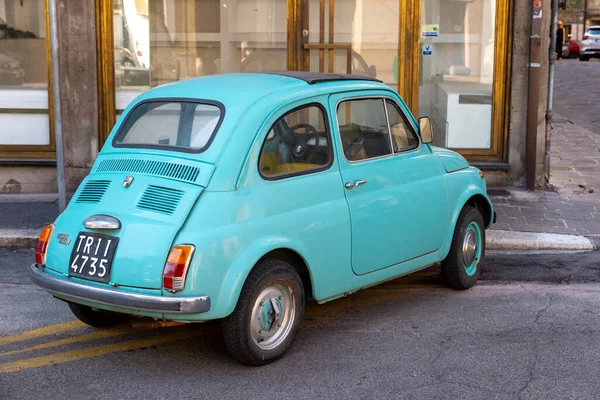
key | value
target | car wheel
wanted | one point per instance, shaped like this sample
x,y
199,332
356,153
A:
x,y
584,58
268,314
99,318
462,266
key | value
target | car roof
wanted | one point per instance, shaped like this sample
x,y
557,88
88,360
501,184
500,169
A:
x,y
594,27
243,89
315,77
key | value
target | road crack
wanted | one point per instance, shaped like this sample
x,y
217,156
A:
x,y
536,350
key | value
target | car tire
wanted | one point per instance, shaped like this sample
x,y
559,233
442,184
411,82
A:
x,y
94,318
584,58
268,314
462,266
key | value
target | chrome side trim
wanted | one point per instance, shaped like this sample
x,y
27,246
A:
x,y
134,301
101,221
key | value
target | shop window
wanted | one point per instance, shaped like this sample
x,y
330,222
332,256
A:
x,y
457,69
158,42
23,74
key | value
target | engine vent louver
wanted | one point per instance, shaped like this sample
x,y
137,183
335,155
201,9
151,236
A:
x,y
160,199
93,191
172,170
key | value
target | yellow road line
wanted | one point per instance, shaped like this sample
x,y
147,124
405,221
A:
x,y
94,351
46,330
76,339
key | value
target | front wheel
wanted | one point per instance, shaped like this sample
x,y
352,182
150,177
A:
x,y
462,266
94,318
268,314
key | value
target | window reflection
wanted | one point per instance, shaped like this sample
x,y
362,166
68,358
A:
x,y
159,41
23,43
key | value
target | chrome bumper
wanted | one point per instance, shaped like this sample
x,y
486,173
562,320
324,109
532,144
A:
x,y
111,297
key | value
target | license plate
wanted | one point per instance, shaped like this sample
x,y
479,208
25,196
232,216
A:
x,y
92,256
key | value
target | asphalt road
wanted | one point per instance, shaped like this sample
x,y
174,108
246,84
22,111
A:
x,y
528,330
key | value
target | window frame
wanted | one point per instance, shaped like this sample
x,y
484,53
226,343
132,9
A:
x,y
307,171
406,124
120,131
383,98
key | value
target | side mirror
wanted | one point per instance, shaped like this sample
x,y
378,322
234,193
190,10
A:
x,y
425,130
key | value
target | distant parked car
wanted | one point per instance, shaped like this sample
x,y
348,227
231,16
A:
x,y
590,45
236,196
570,49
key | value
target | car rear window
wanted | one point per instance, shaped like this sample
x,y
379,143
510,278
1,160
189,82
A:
x,y
594,31
172,125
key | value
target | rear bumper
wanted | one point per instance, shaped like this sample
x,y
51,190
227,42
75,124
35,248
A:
x,y
589,51
133,301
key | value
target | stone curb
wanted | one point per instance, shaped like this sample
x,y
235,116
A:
x,y
29,198
511,240
19,238
495,240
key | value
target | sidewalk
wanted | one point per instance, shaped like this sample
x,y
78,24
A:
x,y
573,208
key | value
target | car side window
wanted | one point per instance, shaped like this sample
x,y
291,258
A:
x,y
296,144
403,137
363,129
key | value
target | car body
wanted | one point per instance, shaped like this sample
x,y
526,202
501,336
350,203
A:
x,y
324,181
590,44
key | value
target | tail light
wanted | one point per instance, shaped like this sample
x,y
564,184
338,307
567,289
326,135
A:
x,y
585,37
42,245
176,267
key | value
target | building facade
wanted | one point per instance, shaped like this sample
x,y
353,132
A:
x,y
464,63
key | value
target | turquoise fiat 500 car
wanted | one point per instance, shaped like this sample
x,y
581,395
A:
x,y
238,196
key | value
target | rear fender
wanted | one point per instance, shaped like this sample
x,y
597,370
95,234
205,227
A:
x,y
239,270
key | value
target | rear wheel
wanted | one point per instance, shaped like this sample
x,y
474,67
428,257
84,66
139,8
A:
x,y
584,58
99,318
268,314
462,266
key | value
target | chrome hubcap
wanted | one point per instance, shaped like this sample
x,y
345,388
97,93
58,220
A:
x,y
273,315
469,249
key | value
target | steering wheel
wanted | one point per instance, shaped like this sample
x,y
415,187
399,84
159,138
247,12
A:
x,y
298,142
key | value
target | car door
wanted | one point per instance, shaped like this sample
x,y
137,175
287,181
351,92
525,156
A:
x,y
394,185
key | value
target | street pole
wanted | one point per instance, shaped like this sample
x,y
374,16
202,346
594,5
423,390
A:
x,y
58,132
585,15
552,60
535,58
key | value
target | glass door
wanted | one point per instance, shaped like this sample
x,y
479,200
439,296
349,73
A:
x,y
353,37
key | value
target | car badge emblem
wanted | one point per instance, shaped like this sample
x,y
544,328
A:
x,y
127,181
63,238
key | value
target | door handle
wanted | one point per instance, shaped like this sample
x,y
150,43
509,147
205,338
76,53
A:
x,y
353,184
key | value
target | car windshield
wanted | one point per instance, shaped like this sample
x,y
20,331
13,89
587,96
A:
x,y
174,125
